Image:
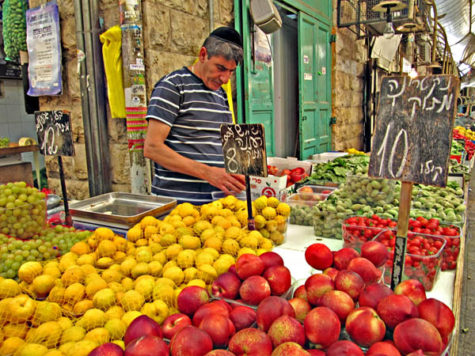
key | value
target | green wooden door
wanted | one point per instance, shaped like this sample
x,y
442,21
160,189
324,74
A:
x,y
314,86
257,83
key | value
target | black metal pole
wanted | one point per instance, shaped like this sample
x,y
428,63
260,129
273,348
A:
x,y
68,218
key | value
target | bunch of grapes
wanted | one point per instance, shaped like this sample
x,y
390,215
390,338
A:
x,y
51,243
22,210
4,142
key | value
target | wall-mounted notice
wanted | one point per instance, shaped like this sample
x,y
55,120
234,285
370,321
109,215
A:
x,y
43,40
54,133
244,148
413,132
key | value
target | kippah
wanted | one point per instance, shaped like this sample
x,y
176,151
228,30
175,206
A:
x,y
227,34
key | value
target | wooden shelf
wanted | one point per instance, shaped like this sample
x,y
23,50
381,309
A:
x,y
20,149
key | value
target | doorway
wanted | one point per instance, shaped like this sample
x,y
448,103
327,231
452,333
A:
x,y
286,89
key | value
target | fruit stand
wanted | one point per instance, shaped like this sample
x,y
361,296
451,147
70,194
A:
x,y
198,270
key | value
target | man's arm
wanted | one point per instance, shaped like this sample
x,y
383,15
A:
x,y
156,149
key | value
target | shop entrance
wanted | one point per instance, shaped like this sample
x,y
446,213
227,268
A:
x,y
285,82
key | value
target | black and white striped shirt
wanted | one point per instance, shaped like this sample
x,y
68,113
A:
x,y
194,113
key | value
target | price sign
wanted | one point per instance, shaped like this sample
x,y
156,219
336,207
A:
x,y
54,133
412,142
244,149
413,133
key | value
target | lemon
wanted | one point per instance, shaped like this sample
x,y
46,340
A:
x,y
277,237
230,246
249,241
273,202
186,258
168,239
175,274
132,300
196,282
232,232
283,209
266,244
269,213
222,265
172,251
165,293
149,221
260,221
166,228
206,234
155,268
134,234
190,242
116,328
171,263
207,273
185,209
204,258
271,225
189,274
213,252
160,257
260,203
104,233
245,250
140,269
80,248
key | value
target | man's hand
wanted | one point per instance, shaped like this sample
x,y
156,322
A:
x,y
228,183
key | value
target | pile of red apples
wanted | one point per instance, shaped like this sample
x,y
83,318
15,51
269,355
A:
x,y
342,311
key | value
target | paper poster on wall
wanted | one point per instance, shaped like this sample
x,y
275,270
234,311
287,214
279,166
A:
x,y
44,50
262,47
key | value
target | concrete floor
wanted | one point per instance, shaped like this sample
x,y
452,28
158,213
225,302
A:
x,y
467,314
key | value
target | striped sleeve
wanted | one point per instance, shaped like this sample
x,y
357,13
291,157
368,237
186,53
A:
x,y
165,102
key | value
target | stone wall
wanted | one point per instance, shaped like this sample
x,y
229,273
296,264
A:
x,y
173,33
349,58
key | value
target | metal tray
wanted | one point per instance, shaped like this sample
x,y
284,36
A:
x,y
122,208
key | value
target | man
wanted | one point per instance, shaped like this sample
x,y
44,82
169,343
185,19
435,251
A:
x,y
184,116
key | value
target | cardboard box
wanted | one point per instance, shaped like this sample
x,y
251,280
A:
x,y
327,156
270,186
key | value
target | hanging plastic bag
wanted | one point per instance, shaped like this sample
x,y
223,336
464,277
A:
x,y
112,54
14,28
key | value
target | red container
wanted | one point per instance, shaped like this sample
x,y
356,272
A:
x,y
423,256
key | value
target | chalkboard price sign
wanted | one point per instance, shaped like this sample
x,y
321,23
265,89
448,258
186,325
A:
x,y
413,133
244,148
54,133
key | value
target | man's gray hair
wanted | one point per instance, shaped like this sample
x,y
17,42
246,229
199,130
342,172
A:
x,y
218,47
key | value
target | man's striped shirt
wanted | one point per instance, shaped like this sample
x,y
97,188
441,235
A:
x,y
194,114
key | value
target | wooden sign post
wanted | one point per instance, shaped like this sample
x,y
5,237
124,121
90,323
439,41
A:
x,y
55,139
244,149
412,141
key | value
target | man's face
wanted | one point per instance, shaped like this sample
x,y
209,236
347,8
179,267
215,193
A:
x,y
216,70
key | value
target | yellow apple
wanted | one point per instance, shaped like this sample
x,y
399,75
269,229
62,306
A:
x,y
98,335
20,308
29,270
9,288
104,299
72,334
156,310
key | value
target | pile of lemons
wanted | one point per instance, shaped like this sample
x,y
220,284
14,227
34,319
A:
x,y
90,295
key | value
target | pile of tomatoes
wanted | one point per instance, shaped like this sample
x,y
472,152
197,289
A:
x,y
293,175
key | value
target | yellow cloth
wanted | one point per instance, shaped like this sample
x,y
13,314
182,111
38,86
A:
x,y
112,56
229,94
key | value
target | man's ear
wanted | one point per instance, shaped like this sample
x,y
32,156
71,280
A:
x,y
203,54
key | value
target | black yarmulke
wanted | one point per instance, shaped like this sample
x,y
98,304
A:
x,y
227,34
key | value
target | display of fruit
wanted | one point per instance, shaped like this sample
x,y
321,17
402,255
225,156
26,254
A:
x,y
22,210
293,175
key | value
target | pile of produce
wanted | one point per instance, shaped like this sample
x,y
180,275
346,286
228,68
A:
x,y
4,142
337,170
51,242
22,210
353,199
90,295
461,132
14,28
293,175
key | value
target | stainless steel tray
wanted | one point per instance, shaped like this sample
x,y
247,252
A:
x,y
122,208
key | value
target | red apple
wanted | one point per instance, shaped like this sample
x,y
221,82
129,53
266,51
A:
x,y
350,283
418,352
149,345
315,352
322,327
220,353
279,279
340,302
254,289
417,333
344,348
376,252
383,348
191,298
372,294
173,323
331,272
271,258
301,292
301,308
366,269
250,341
219,327
108,349
232,269
343,256
290,349
438,314
316,286
270,309
286,328
190,341
215,307
413,289
394,309
142,326
365,327
242,317
319,256
248,265
226,286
